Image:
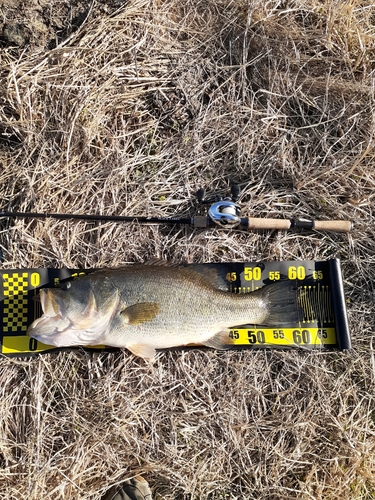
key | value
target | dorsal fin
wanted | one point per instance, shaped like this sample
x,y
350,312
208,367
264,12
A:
x,y
216,277
160,262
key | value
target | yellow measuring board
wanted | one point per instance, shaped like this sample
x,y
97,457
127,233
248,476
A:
x,y
21,344
320,294
283,337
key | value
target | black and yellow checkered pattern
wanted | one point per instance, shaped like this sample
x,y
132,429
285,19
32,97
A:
x,y
15,287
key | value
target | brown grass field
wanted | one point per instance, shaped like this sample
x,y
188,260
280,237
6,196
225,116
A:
x,y
129,108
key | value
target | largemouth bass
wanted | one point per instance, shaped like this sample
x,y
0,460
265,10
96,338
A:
x,y
148,307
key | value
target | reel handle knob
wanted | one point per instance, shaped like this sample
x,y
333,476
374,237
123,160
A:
x,y
201,193
235,192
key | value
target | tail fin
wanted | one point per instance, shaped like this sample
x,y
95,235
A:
x,y
281,302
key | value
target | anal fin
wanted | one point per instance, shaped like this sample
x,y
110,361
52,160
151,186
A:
x,y
220,340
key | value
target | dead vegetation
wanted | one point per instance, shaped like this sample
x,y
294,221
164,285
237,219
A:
x,y
130,112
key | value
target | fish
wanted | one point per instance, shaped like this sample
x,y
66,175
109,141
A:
x,y
147,307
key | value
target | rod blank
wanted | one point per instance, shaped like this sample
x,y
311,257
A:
x,y
113,218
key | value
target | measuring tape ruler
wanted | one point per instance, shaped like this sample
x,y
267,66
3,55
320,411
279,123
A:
x,y
284,337
320,290
321,297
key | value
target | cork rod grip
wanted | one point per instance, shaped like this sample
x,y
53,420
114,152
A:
x,y
340,226
268,223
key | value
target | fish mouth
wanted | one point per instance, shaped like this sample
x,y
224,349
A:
x,y
49,329
53,324
56,328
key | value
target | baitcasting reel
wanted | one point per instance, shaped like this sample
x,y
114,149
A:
x,y
224,211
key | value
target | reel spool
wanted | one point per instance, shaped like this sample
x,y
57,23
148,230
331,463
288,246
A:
x,y
225,213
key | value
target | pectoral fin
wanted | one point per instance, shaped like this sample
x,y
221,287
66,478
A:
x,y
140,313
142,350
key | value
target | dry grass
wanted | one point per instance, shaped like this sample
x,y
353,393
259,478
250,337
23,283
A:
x,y
131,114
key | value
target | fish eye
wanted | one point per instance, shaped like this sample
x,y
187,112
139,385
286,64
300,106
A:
x,y
66,285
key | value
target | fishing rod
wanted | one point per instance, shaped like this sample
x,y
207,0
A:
x,y
223,212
